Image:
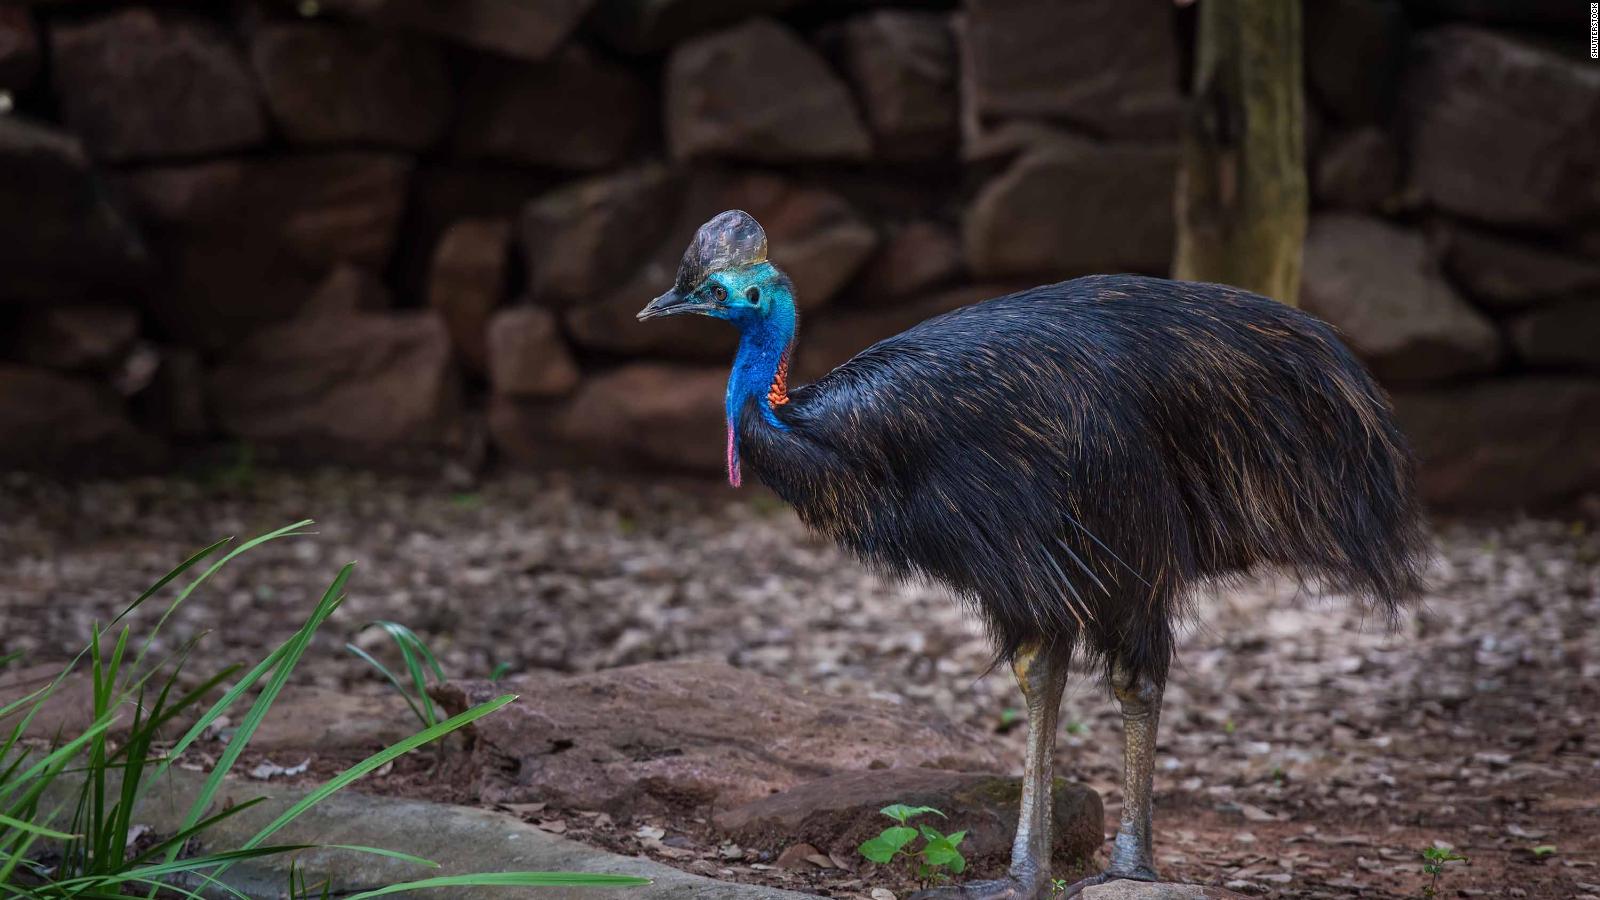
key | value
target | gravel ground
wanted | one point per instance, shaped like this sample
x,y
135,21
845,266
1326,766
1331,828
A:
x,y
1307,748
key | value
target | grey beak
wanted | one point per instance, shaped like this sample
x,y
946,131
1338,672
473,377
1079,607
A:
x,y
671,303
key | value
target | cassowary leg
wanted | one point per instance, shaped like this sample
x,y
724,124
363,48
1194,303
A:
x,y
1042,676
1131,857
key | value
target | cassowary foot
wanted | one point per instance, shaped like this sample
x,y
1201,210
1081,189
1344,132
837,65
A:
x,y
1141,874
1000,889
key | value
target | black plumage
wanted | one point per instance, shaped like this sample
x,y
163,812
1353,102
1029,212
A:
x,y
1075,461
1076,458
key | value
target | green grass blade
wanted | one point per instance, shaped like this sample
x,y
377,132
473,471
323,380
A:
x,y
32,828
393,681
508,879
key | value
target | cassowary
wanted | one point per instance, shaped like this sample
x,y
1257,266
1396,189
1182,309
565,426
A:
x,y
1074,460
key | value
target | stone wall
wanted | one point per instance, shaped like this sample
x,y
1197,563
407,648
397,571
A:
x,y
378,229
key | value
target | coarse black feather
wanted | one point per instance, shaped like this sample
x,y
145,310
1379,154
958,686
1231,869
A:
x,y
1077,458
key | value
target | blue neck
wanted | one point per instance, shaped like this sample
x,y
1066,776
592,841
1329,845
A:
x,y
763,344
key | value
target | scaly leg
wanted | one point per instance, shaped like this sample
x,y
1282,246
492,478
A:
x,y
1131,857
1042,677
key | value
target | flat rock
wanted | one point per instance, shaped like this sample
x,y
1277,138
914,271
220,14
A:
x,y
20,54
360,382
1565,336
523,29
758,92
574,237
1379,286
1528,116
1119,218
1358,169
58,422
545,114
1505,443
467,280
460,840
247,241
839,812
903,66
685,735
527,355
61,238
75,337
1109,68
136,84
335,84
1507,273
1123,889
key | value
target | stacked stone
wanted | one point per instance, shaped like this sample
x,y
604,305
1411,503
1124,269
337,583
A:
x,y
359,228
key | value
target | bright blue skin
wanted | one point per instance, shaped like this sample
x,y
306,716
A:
x,y
767,326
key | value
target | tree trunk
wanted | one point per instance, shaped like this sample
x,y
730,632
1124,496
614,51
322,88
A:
x,y
1241,198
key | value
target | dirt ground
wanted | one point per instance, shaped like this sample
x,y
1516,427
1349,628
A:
x,y
1307,749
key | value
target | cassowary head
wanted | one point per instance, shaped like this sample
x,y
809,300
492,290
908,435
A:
x,y
725,274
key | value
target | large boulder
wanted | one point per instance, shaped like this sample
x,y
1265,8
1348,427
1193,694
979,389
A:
x,y
578,241
1560,337
527,356
1358,169
834,336
136,84
246,241
74,337
330,84
61,238
1505,442
684,735
59,422
524,29
352,383
652,26
1506,273
837,813
1110,68
20,55
758,92
574,111
651,413
1074,207
467,281
917,257
903,66
1379,286
1502,131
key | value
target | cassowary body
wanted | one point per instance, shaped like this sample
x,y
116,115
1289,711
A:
x,y
1074,460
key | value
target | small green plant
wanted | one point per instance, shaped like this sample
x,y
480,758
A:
x,y
1433,862
419,662
499,671
1058,886
937,857
68,802
1543,850
1077,729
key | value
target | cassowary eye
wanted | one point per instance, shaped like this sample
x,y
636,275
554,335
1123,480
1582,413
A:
x,y
753,295
718,293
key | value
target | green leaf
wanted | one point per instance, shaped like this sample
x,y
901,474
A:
x,y
882,848
1543,850
901,812
929,833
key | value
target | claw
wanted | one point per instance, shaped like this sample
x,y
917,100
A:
x,y
1078,886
